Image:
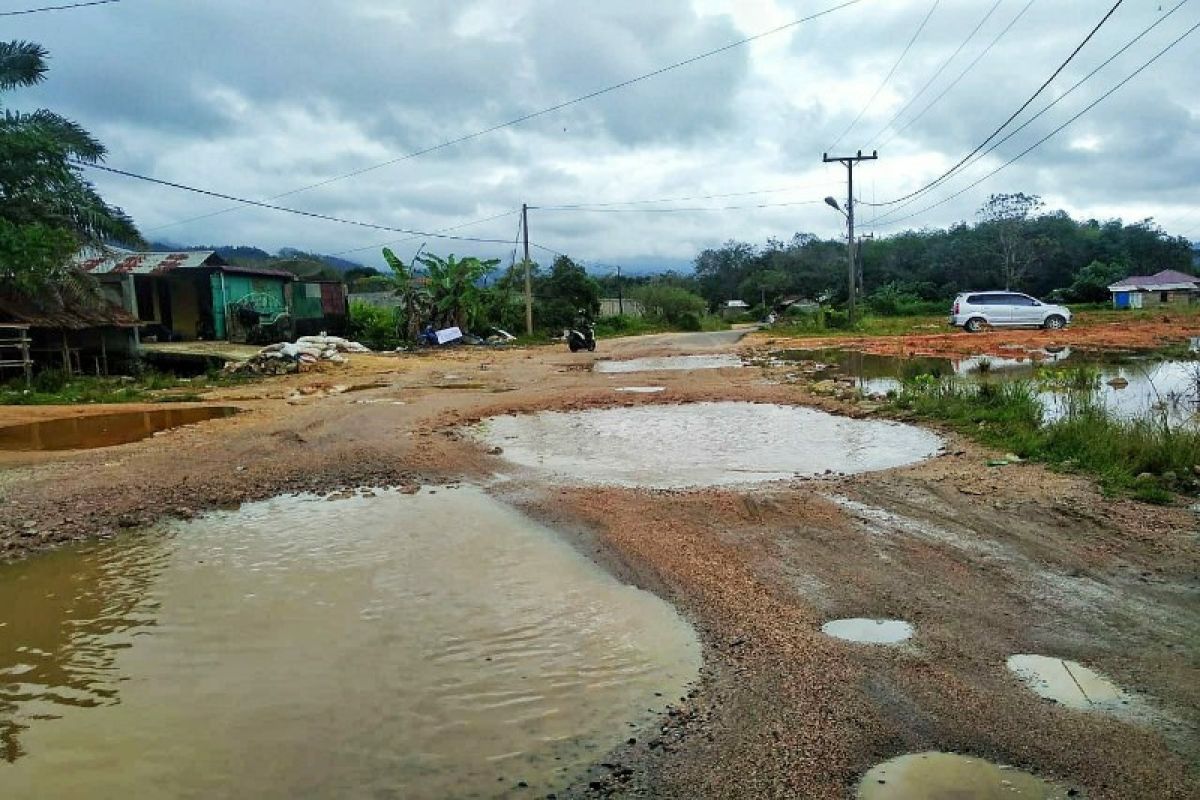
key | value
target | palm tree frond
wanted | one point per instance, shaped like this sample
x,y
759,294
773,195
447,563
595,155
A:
x,y
21,64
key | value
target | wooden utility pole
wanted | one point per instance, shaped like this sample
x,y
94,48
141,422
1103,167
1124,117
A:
x,y
850,161
528,280
620,295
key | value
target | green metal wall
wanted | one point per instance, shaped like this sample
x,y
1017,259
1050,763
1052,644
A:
x,y
236,287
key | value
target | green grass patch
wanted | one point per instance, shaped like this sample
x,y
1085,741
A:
x,y
54,387
1145,457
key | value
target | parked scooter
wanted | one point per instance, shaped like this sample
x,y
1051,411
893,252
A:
x,y
582,337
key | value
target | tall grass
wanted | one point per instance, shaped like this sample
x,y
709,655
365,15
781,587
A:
x,y
1146,456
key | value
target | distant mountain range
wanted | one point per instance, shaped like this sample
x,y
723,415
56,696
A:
x,y
248,256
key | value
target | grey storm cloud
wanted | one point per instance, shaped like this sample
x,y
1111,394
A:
x,y
256,99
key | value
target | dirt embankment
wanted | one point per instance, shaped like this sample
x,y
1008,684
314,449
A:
x,y
1130,335
985,562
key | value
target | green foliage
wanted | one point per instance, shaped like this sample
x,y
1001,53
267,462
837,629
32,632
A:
x,y
44,198
670,304
1144,456
1091,283
55,387
373,283
898,300
375,327
453,286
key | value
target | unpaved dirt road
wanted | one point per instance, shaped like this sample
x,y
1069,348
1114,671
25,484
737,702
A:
x,y
985,562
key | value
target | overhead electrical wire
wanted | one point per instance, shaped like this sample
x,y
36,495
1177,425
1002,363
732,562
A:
x,y
937,73
600,210
1011,117
57,8
541,112
1052,133
438,231
694,197
284,209
1055,101
887,77
961,75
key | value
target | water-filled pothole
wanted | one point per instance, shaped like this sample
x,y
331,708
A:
x,y
943,776
869,631
641,389
103,430
669,363
702,444
426,646
1066,682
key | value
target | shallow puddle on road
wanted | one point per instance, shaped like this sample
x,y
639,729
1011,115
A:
x,y
701,444
425,646
1066,682
946,776
668,363
103,430
642,389
869,631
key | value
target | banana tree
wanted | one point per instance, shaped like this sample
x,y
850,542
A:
x,y
454,286
416,300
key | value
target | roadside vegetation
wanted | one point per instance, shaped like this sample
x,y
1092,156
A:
x,y
1147,456
55,387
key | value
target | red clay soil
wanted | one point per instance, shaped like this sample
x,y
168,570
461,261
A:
x,y
984,561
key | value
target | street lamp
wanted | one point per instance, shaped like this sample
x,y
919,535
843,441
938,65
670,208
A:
x,y
832,203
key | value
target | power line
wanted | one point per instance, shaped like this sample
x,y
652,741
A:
x,y
887,77
937,73
542,112
1054,132
1013,116
1057,100
961,75
691,197
600,210
439,230
57,8
284,209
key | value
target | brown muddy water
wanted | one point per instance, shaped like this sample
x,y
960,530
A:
x,y
947,776
701,444
385,646
103,430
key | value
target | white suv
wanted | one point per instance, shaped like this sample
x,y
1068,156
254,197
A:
x,y
973,310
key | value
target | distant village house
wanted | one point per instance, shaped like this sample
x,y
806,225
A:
x,y
1168,287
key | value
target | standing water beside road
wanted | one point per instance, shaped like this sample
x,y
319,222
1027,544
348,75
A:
x,y
424,646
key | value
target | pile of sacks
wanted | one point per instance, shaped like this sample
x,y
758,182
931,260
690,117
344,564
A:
x,y
285,357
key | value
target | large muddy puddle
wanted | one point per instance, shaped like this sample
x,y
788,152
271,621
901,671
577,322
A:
x,y
103,430
1128,385
401,646
668,363
702,444
948,776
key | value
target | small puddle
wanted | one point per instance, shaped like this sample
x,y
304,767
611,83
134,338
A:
x,y
869,631
669,363
386,645
103,430
1066,682
641,389
946,776
701,444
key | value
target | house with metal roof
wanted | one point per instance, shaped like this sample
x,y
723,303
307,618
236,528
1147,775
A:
x,y
1165,288
194,295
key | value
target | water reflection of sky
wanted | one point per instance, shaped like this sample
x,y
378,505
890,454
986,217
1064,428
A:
x,y
1151,385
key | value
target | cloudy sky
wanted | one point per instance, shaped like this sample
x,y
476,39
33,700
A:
x,y
259,99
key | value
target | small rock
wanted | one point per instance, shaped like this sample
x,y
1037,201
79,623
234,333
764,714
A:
x,y
495,451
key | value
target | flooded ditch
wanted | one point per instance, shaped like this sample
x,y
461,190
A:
x,y
385,645
1128,385
103,430
701,444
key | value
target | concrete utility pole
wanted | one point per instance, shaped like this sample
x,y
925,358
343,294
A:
x,y
620,295
850,161
528,280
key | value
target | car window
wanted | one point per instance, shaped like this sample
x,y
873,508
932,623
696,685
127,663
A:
x,y
988,300
1020,300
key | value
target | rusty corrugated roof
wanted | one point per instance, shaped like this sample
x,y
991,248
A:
x,y
114,260
65,312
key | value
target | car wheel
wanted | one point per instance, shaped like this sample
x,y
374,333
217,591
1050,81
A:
x,y
974,325
1054,322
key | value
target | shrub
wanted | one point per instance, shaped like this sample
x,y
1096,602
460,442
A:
x,y
374,326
